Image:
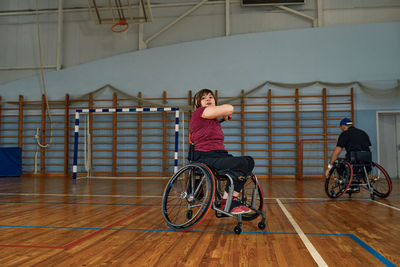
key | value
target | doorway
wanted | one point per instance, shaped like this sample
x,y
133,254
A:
x,y
388,140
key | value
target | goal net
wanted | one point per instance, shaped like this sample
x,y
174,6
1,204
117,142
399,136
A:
x,y
314,156
126,142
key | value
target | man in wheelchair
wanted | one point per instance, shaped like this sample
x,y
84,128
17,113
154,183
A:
x,y
208,139
357,143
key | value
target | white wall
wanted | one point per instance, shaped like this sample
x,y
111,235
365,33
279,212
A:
x,y
367,52
84,42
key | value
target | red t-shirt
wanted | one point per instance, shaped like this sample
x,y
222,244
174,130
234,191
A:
x,y
206,134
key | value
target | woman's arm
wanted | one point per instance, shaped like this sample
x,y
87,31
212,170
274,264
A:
x,y
213,112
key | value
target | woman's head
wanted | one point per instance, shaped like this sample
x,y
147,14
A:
x,y
202,97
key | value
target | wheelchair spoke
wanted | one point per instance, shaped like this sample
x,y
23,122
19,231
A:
x,y
380,181
187,196
199,186
339,179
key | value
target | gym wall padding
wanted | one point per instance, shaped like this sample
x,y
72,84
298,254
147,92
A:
x,y
10,161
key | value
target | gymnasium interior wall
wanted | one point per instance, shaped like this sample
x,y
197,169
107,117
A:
x,y
365,57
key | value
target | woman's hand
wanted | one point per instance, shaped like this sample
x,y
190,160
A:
x,y
227,118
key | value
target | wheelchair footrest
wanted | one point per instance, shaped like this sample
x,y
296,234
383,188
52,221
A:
x,y
220,215
353,189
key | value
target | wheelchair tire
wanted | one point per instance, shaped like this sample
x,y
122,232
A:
x,y
339,180
380,181
188,196
250,188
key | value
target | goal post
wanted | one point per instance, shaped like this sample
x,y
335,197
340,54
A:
x,y
111,111
314,155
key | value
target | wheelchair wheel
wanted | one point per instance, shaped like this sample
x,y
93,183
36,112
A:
x,y
339,180
188,196
380,181
252,195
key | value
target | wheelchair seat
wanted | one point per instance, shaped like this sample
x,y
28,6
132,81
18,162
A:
x,y
361,161
219,174
361,157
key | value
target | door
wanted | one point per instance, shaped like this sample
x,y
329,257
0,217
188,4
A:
x,y
389,142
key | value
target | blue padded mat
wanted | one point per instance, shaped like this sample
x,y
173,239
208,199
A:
x,y
10,161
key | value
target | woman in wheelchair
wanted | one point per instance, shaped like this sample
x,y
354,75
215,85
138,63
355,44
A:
x,y
213,179
208,139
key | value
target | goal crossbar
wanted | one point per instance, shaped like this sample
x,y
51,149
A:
x,y
122,110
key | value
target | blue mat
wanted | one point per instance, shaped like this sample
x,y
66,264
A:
x,y
10,161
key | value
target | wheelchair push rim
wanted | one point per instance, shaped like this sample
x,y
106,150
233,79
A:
x,y
188,196
338,180
380,181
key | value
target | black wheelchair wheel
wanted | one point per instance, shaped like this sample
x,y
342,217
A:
x,y
338,180
380,181
253,197
188,196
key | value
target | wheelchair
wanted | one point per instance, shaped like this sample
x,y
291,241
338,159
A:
x,y
359,172
195,189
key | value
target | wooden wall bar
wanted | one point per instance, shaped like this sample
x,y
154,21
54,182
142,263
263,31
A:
x,y
43,137
20,120
298,161
242,122
352,103
316,153
269,103
325,124
268,127
66,134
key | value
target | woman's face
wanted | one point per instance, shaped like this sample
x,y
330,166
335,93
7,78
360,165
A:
x,y
207,100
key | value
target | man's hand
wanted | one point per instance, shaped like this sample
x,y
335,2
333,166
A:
x,y
327,172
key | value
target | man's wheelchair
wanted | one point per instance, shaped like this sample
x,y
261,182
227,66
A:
x,y
359,172
195,188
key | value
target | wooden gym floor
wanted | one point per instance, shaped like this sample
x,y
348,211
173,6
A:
x,y
96,222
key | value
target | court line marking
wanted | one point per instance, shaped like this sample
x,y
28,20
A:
x,y
80,240
314,253
131,196
383,204
364,245
371,250
136,196
74,195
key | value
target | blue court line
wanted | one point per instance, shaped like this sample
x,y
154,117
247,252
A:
x,y
372,251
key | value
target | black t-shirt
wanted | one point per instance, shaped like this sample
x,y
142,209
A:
x,y
354,140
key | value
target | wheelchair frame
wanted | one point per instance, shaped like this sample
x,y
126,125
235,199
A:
x,y
360,172
195,188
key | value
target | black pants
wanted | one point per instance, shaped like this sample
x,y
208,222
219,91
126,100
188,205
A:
x,y
223,162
